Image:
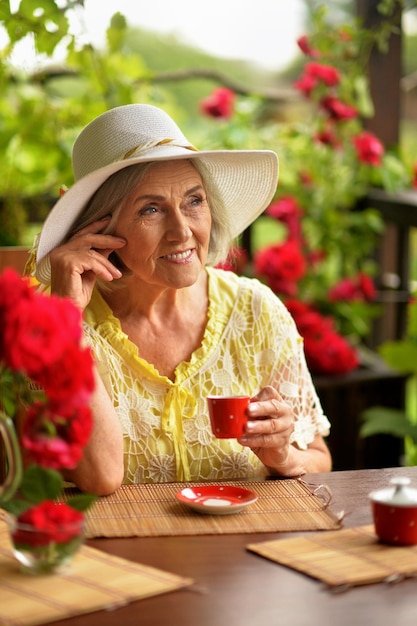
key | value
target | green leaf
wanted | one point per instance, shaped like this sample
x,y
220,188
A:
x,y
16,506
82,501
412,320
400,355
363,97
38,9
40,484
116,32
5,12
46,42
46,21
382,420
8,398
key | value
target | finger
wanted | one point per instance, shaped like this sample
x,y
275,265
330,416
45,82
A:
x,y
266,408
270,426
94,227
96,242
68,262
98,263
269,438
266,393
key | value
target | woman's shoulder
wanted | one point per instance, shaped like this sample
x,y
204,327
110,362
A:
x,y
245,288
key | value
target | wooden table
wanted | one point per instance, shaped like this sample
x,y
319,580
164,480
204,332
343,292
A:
x,y
235,587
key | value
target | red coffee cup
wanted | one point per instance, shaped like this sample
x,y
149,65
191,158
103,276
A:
x,y
228,415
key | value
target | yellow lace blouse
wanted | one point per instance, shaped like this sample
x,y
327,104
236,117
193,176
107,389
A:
x,y
250,341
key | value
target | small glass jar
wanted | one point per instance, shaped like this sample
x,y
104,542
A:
x,y
42,552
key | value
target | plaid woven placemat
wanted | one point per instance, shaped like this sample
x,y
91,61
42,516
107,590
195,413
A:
x,y
342,559
94,580
145,510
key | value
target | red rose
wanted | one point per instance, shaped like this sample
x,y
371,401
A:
x,y
303,43
37,335
80,427
55,440
329,353
219,104
297,307
326,74
283,261
284,209
33,336
359,288
344,291
13,290
368,148
287,210
337,109
325,350
53,523
309,322
305,84
328,137
71,379
366,287
282,286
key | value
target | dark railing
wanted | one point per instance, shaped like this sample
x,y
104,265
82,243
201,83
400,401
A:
x,y
395,258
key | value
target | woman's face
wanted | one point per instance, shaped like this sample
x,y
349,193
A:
x,y
166,224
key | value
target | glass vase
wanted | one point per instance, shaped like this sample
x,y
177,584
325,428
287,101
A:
x,y
45,552
10,459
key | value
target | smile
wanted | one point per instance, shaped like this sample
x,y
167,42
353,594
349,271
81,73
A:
x,y
179,256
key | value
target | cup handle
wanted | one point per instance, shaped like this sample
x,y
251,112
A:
x,y
13,458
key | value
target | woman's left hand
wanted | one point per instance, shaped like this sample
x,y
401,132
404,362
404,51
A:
x,y
269,428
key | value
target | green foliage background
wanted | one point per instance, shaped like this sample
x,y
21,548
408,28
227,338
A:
x,y
41,113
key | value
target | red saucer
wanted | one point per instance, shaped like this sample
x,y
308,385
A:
x,y
215,499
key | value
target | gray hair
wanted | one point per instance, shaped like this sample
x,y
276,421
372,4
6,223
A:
x,y
112,196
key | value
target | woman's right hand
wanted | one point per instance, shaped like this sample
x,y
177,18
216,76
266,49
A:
x,y
76,264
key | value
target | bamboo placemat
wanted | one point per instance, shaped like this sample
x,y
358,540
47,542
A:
x,y
342,559
94,581
152,510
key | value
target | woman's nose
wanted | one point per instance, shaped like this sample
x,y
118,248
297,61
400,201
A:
x,y
178,228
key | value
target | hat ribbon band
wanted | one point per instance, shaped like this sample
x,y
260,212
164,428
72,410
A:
x,y
136,150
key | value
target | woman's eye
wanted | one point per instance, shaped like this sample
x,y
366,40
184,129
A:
x,y
196,201
147,210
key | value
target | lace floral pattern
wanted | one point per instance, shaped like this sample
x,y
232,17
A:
x,y
250,341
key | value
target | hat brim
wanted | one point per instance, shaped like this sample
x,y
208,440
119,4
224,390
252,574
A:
x,y
246,181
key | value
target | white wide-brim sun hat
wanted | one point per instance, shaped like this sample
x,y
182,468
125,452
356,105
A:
x,y
245,180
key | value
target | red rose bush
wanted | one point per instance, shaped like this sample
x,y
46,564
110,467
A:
x,y
46,381
315,244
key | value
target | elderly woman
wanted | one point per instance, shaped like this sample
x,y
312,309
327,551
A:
x,y
134,243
